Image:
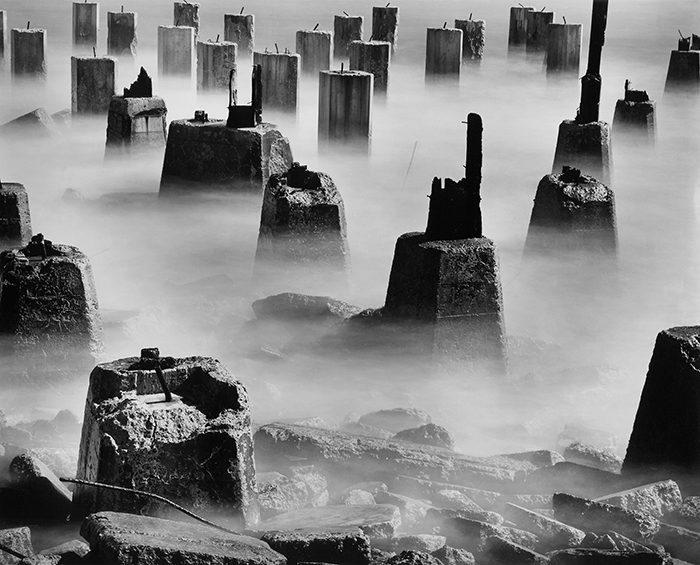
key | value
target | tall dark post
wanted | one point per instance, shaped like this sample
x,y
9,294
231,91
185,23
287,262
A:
x,y
257,93
591,82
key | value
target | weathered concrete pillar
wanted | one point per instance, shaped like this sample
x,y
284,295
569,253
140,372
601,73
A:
x,y
121,34
665,439
473,33
240,28
86,23
316,50
215,61
584,143
28,54
186,14
372,57
537,28
345,110
15,220
563,49
179,428
92,84
176,54
517,30
136,121
683,71
443,52
48,302
302,229
572,213
385,25
635,117
346,29
280,80
3,37
207,155
446,281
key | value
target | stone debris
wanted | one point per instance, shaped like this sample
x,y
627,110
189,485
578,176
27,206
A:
x,y
585,454
279,493
327,545
37,124
18,540
429,434
657,499
552,534
396,419
43,495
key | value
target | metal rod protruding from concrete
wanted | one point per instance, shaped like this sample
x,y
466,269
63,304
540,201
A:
x,y
591,82
152,355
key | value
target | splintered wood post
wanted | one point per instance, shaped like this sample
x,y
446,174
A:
x,y
472,174
591,82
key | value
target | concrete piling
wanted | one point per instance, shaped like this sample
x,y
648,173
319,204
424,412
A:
x,y
635,117
215,61
683,72
240,29
584,143
121,34
15,220
563,49
176,53
443,52
186,14
537,29
92,84
345,110
3,38
86,22
445,283
209,454
473,39
346,29
372,57
28,54
517,30
385,25
280,80
316,50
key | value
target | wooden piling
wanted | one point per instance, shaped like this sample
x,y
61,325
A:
x,y
186,14
121,34
346,29
443,52
86,18
473,38
564,49
280,80
176,51
92,84
345,110
517,31
240,28
385,25
28,54
316,50
591,82
372,57
215,61
537,30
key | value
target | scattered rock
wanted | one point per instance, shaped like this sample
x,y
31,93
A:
x,y
580,480
411,557
357,496
552,534
292,306
429,434
657,499
17,539
585,454
282,494
45,495
69,553
679,542
472,534
587,556
499,551
413,511
348,545
541,458
453,556
396,419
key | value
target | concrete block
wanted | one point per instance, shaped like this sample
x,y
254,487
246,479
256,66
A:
x,y
135,124
346,29
316,50
121,34
585,147
280,80
215,61
86,23
176,54
345,110
385,25
28,54
443,52
657,499
15,219
240,29
92,84
473,39
187,14
345,546
372,57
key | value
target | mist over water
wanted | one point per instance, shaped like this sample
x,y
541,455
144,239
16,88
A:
x,y
147,254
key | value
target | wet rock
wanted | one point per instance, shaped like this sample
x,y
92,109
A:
x,y
116,538
540,458
411,557
427,543
585,454
372,487
429,434
499,551
623,543
17,539
453,556
282,494
421,488
396,419
349,545
292,306
599,542
680,542
69,553
580,480
413,511
357,496
376,520
657,499
598,517
587,556
195,449
472,534
37,124
552,534
347,455
437,516
44,495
